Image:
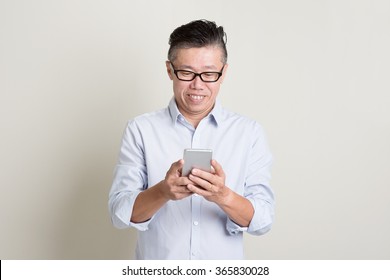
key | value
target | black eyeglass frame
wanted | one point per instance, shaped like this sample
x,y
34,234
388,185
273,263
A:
x,y
197,74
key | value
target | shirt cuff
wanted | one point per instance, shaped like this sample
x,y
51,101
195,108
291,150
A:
x,y
234,228
262,218
123,211
259,224
144,226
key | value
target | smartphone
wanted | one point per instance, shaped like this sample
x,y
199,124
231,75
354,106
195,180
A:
x,y
196,158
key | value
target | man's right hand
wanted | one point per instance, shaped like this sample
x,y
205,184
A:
x,y
174,186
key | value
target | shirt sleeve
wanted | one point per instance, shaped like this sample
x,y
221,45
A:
x,y
257,188
130,178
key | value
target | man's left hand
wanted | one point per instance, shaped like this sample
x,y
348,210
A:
x,y
210,185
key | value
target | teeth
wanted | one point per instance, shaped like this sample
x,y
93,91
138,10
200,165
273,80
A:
x,y
196,97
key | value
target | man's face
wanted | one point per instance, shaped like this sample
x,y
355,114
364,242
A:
x,y
195,99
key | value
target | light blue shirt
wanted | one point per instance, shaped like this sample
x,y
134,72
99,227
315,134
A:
x,y
192,228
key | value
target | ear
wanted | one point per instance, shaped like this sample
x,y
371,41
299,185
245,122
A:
x,y
169,69
224,72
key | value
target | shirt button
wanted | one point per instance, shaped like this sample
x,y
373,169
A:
x,y
196,223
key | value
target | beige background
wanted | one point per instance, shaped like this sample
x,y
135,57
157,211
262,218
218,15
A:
x,y
315,74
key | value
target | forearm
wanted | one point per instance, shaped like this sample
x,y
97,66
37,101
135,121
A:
x,y
238,208
212,187
148,203
151,200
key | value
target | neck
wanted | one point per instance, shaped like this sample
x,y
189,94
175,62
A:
x,y
194,120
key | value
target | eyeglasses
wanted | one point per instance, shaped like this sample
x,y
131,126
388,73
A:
x,y
207,77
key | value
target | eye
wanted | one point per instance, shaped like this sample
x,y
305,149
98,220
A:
x,y
186,73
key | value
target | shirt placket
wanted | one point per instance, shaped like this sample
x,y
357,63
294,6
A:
x,y
196,201
195,226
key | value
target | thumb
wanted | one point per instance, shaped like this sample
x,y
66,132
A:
x,y
177,166
217,168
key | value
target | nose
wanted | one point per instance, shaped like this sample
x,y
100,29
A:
x,y
197,83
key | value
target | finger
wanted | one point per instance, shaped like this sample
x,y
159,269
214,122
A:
x,y
203,175
182,189
198,190
179,189
201,183
183,181
218,168
176,167
181,195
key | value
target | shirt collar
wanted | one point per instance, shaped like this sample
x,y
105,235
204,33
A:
x,y
216,112
173,110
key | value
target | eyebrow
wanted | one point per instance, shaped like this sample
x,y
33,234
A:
x,y
207,67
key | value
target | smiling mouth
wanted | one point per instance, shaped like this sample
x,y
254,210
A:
x,y
196,97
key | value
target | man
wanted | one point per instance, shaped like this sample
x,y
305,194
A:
x,y
204,215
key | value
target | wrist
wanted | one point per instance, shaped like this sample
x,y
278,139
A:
x,y
227,198
162,194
